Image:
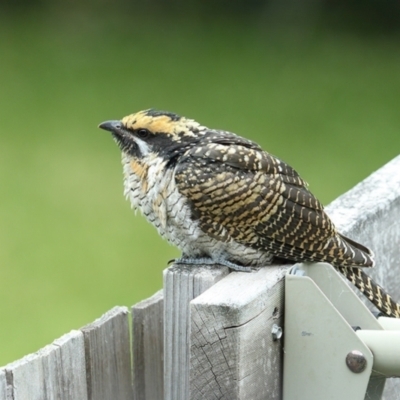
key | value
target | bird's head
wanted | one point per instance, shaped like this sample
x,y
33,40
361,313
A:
x,y
153,132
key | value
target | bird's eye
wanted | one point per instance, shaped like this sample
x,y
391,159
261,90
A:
x,y
143,133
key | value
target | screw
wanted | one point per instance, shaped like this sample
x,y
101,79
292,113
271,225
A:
x,y
356,361
276,332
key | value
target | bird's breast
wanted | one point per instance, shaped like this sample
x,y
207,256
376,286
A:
x,y
150,187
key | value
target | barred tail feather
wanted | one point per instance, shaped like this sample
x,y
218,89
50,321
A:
x,y
375,293
362,255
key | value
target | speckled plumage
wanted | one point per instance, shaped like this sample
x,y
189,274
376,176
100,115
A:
x,y
218,196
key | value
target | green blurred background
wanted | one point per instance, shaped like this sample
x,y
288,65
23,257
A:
x,y
315,82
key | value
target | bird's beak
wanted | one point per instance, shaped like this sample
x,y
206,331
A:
x,y
112,126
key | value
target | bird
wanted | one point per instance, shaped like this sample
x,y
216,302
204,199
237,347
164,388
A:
x,y
221,199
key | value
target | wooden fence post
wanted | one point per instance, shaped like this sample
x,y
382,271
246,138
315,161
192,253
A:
x,y
182,283
233,352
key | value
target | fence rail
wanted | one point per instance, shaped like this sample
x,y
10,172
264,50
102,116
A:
x,y
207,335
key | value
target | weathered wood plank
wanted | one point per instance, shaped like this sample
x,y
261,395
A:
x,y
182,283
26,376
50,373
233,354
148,348
3,385
108,360
370,213
72,365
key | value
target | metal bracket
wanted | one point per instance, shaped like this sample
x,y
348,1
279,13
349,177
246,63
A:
x,y
334,347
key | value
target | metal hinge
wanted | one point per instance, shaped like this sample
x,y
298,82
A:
x,y
325,357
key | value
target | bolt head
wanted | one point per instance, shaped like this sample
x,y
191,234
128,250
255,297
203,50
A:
x,y
276,332
356,361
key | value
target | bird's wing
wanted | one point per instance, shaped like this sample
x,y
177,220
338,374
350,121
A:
x,y
241,153
238,191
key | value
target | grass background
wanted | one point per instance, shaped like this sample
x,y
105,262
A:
x,y
324,99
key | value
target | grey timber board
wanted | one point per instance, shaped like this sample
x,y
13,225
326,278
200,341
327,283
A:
x,y
370,213
108,359
148,348
3,385
182,283
73,365
233,355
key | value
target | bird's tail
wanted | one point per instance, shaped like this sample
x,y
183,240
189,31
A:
x,y
376,294
356,253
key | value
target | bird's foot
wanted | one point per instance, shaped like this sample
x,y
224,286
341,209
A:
x,y
210,261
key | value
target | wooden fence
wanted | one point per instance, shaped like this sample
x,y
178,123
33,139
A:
x,y
208,334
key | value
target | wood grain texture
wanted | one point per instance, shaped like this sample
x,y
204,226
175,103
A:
x,y
55,372
182,284
72,365
148,348
108,360
233,355
3,385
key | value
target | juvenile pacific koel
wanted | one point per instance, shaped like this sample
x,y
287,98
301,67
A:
x,y
221,199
